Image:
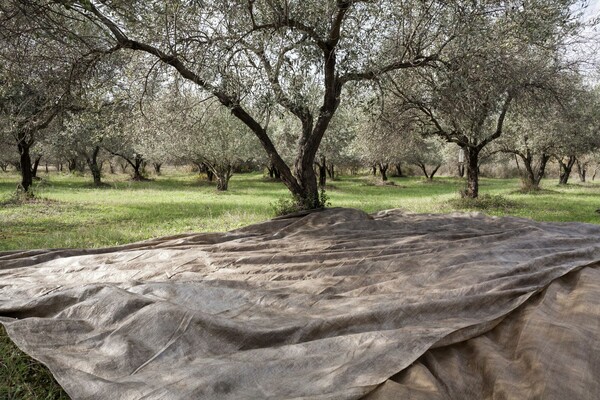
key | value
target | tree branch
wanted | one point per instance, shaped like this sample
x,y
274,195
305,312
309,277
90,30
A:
x,y
377,72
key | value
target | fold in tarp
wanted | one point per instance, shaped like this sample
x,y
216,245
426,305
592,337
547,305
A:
x,y
335,304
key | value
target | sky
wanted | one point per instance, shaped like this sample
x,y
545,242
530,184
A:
x,y
593,9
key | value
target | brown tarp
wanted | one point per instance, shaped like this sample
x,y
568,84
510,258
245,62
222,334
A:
x,y
335,304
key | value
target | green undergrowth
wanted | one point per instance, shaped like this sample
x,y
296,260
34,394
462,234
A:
x,y
67,211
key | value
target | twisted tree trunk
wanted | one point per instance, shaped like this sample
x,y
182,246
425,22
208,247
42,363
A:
x,y
92,162
383,167
472,166
565,169
25,164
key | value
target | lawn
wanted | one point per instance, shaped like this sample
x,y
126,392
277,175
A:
x,y
69,212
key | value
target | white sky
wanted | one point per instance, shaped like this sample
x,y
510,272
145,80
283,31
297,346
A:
x,y
593,9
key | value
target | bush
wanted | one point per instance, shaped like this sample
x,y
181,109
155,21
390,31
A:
x,y
289,205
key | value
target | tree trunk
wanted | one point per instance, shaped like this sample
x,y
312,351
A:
x,y
223,177
399,170
461,170
374,167
303,183
72,164
428,175
36,164
533,173
472,165
157,167
273,171
424,169
434,171
47,170
565,170
124,165
25,163
95,169
383,170
111,167
581,170
322,172
137,165
210,175
331,171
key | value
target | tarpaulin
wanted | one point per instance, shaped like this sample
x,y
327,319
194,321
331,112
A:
x,y
336,304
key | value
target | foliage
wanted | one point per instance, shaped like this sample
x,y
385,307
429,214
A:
x,y
290,205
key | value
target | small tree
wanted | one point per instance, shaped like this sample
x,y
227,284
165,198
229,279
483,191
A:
x,y
208,135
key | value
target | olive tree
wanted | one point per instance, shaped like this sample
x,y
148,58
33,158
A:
x,y
508,54
208,135
41,71
255,56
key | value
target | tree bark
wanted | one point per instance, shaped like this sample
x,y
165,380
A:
x,y
25,163
331,171
273,171
157,167
210,175
322,172
72,164
565,169
137,164
533,173
399,170
383,167
374,169
223,175
472,166
428,175
36,164
92,162
581,170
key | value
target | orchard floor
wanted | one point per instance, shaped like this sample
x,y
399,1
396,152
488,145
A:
x,y
69,212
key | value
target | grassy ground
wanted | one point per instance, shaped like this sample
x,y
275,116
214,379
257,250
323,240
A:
x,y
68,212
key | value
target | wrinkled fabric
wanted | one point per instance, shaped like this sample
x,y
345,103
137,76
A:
x,y
335,304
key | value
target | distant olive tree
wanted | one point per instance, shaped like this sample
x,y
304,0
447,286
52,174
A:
x,y
509,54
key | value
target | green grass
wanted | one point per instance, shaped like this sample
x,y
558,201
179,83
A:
x,y
22,378
69,212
